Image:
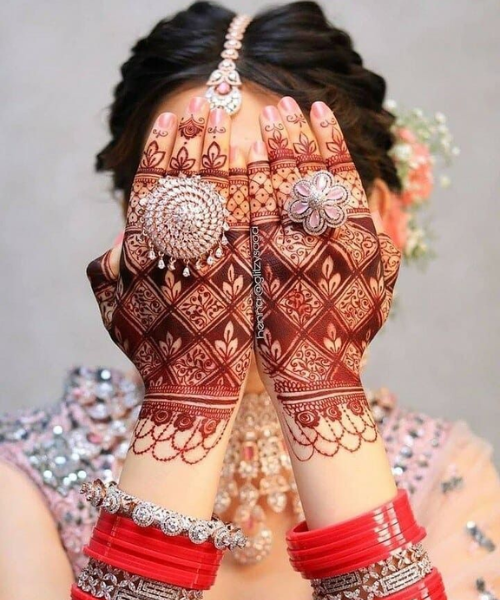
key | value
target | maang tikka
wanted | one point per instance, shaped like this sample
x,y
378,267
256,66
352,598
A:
x,y
184,217
224,83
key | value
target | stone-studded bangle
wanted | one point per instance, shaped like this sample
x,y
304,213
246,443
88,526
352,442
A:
x,y
146,514
404,568
99,580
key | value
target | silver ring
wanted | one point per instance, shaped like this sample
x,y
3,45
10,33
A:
x,y
184,218
317,201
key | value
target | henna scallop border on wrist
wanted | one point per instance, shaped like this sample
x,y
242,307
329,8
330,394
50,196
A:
x,y
145,514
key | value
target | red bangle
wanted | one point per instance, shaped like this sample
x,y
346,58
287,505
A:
x,y
364,539
392,512
330,565
355,543
107,525
78,594
147,552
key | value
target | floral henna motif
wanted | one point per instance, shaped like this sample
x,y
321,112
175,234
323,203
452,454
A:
x,y
151,159
325,298
181,162
340,159
191,127
190,338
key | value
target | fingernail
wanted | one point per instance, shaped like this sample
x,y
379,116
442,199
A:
x,y
217,116
259,147
196,104
271,113
166,120
319,109
288,104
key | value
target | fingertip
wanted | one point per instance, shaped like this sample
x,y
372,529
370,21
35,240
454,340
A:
x,y
166,121
320,110
257,151
197,104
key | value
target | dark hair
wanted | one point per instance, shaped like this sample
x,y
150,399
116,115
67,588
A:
x,y
290,50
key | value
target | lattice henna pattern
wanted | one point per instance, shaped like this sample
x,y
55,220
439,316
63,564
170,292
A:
x,y
324,297
190,338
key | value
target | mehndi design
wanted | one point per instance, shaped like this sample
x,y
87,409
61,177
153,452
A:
x,y
190,338
325,297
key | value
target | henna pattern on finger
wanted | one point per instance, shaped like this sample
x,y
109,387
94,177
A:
x,y
296,119
189,338
152,157
306,151
214,166
214,131
324,299
181,162
191,127
158,133
340,159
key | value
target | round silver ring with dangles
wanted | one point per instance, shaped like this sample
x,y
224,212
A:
x,y
184,218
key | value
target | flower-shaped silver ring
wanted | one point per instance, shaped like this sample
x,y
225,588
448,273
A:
x,y
318,202
184,218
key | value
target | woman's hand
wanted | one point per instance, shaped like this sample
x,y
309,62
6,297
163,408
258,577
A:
x,y
323,297
189,337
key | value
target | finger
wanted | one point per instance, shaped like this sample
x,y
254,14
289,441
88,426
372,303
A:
x,y
283,166
102,274
333,148
103,270
186,154
215,154
301,137
331,141
391,261
263,205
153,163
238,204
389,253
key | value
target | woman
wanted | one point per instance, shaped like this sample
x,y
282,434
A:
x,y
160,105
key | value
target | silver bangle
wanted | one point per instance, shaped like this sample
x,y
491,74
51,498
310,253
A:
x,y
401,570
146,514
101,580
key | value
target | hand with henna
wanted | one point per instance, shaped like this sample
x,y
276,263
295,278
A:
x,y
189,336
323,297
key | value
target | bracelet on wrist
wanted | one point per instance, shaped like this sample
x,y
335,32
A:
x,y
113,500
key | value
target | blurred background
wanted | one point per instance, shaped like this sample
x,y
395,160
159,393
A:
x,y
60,61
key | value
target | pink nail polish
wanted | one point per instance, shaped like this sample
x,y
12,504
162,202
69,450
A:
x,y
319,110
166,120
288,104
217,116
271,113
196,104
